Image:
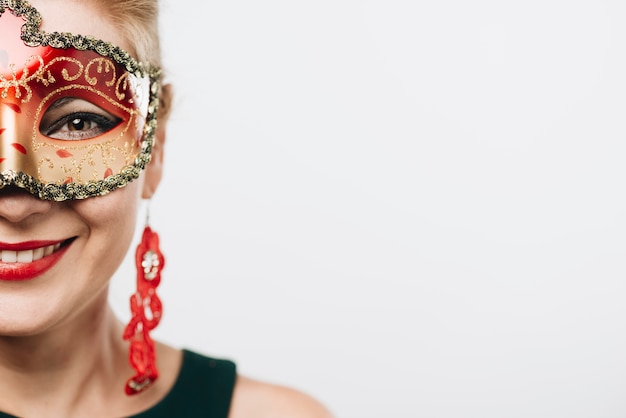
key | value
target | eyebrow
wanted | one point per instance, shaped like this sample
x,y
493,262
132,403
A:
x,y
61,102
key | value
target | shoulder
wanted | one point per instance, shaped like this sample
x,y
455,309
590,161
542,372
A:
x,y
256,399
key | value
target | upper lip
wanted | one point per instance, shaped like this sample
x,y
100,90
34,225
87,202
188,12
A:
x,y
29,251
28,260
28,245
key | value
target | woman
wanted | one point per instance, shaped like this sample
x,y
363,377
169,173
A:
x,y
82,129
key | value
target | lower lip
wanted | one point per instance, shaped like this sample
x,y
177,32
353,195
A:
x,y
28,271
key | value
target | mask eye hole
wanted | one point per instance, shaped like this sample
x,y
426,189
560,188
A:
x,y
74,119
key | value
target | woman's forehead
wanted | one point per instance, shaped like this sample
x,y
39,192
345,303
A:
x,y
81,17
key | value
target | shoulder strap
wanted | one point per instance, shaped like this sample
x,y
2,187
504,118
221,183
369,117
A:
x,y
204,389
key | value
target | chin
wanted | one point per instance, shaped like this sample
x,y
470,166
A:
x,y
21,329
26,325
26,318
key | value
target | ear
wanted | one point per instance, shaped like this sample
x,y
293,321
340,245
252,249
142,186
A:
x,y
154,170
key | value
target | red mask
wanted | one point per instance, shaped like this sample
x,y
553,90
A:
x,y
77,115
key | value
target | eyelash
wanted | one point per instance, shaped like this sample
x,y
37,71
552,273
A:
x,y
102,125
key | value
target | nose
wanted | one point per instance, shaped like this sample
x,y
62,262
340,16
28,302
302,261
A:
x,y
15,128
9,113
16,205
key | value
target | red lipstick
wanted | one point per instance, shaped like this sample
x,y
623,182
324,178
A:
x,y
17,270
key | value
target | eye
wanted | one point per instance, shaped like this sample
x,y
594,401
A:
x,y
73,119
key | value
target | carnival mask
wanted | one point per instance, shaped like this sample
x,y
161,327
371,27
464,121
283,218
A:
x,y
77,115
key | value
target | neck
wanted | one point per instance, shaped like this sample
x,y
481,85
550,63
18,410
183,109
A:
x,y
61,368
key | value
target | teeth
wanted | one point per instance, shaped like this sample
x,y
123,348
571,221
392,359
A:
x,y
9,256
27,256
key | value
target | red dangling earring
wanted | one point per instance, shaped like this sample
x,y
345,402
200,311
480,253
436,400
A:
x,y
146,312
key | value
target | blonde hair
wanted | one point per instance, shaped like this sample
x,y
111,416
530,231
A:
x,y
138,22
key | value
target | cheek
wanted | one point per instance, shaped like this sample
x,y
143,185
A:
x,y
110,222
118,207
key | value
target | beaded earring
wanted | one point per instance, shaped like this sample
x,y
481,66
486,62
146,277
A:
x,y
146,310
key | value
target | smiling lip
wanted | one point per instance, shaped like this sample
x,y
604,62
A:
x,y
28,260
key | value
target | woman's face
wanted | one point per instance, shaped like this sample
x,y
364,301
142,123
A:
x,y
94,234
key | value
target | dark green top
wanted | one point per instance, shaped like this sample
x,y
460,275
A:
x,y
204,388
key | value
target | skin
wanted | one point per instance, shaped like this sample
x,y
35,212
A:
x,y
61,349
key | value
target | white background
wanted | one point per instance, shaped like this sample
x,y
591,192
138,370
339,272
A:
x,y
404,208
